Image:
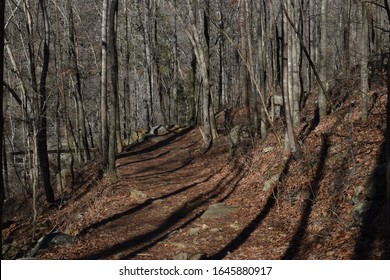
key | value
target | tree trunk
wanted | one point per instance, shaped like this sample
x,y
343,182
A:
x,y
244,77
345,22
387,7
322,104
42,118
112,48
173,117
148,66
73,61
364,63
291,137
2,190
198,40
103,84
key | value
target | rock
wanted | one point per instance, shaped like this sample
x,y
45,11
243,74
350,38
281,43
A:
x,y
173,127
196,257
181,256
235,226
186,256
359,210
133,137
137,195
268,184
11,252
218,210
268,149
52,239
194,231
204,227
357,194
137,136
159,130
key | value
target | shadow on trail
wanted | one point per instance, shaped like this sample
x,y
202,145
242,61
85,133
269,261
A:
x,y
255,223
157,145
238,177
310,126
141,206
374,226
142,176
313,188
182,216
247,231
144,160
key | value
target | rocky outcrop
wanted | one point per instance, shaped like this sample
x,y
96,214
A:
x,y
52,239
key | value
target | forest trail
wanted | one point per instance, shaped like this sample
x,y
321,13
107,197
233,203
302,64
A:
x,y
272,206
164,185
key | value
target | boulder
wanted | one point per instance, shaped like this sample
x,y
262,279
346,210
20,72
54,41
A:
x,y
218,210
52,239
158,130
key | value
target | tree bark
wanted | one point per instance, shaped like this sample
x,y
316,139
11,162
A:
x,y
42,118
291,137
364,63
73,61
322,104
148,66
196,35
2,190
114,108
387,7
103,84
244,76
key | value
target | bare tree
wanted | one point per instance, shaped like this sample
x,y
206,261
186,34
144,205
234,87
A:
x,y
2,191
42,117
197,37
77,92
114,108
244,76
364,62
287,40
322,102
103,84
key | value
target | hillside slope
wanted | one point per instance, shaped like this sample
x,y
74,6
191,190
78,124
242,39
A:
x,y
271,206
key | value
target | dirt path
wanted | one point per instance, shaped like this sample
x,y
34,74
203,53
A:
x,y
157,208
167,183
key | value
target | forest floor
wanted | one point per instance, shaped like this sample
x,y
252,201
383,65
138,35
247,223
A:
x,y
276,207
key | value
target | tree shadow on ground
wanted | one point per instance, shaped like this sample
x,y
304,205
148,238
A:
x,y
254,224
189,211
156,146
236,177
313,188
144,160
374,227
141,206
140,175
